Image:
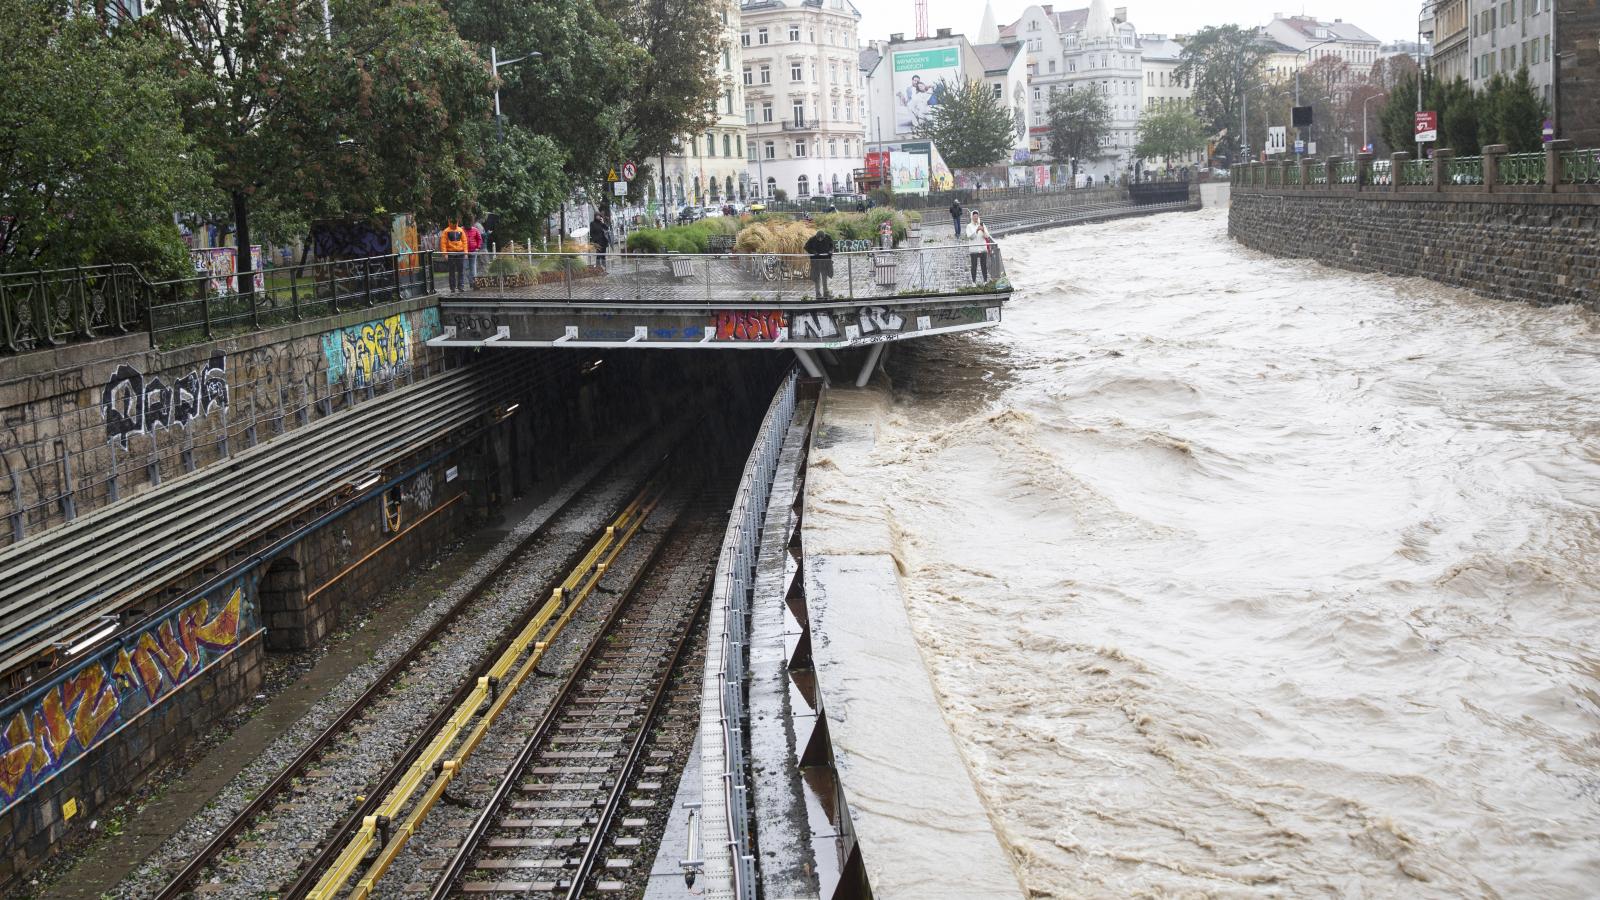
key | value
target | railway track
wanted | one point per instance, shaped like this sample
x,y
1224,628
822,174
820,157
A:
x,y
580,809
420,689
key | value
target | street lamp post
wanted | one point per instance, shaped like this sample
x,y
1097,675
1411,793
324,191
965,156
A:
x,y
1364,142
495,65
1298,135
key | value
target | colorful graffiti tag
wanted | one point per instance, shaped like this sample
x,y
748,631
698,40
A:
x,y
219,264
748,326
376,351
55,724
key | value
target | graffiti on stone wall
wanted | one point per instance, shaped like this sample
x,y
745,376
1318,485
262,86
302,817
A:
x,y
421,491
350,240
58,722
134,404
376,351
738,325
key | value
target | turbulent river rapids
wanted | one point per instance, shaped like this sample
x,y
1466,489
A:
x,y
1245,577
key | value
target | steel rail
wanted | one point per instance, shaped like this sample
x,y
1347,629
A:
x,y
340,726
461,860
259,499
334,879
635,755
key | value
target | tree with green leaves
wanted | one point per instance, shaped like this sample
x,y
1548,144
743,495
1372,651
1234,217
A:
x,y
1172,131
1512,113
522,180
358,115
677,89
578,90
970,125
1077,122
92,154
1221,63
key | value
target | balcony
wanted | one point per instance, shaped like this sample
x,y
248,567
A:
x,y
801,125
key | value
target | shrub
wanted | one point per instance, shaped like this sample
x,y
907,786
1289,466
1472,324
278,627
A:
x,y
647,240
679,241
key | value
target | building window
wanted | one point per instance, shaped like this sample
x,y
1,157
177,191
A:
x,y
766,112
1052,67
804,189
711,145
766,74
772,150
833,147
761,36
749,76
999,91
744,39
794,33
799,149
749,114
727,145
799,110
796,72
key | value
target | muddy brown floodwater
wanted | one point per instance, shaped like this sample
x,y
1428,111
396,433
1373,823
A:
x,y
1244,577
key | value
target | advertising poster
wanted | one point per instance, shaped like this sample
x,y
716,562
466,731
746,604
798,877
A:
x,y
919,80
909,172
403,238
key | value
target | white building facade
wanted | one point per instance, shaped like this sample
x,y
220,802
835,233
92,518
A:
x,y
1092,49
1503,37
709,168
804,103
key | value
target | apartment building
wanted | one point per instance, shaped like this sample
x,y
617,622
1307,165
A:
x,y
804,96
709,168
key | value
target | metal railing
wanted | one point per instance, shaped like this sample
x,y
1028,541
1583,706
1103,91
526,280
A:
x,y
731,593
190,310
1345,172
1464,170
1580,167
43,309
1416,172
1522,168
1319,172
1381,172
720,279
1291,175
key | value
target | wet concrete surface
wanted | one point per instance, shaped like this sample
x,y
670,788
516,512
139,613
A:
x,y
97,869
921,827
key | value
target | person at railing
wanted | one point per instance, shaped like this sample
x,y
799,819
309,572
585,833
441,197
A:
x,y
600,237
453,244
821,249
475,248
956,214
979,245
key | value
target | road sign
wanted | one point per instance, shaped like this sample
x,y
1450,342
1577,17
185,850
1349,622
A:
x,y
612,176
629,171
1277,139
1549,131
1299,148
1301,117
621,187
1427,127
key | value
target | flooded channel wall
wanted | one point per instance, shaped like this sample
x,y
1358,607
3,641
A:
x,y
1541,248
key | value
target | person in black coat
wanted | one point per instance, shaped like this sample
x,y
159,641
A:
x,y
956,213
600,237
821,249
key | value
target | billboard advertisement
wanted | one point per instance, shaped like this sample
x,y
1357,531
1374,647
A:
x,y
909,172
919,82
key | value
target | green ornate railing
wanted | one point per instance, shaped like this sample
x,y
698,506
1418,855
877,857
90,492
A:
x,y
1522,168
1465,170
1580,167
1417,172
1382,172
1319,172
1292,175
1344,172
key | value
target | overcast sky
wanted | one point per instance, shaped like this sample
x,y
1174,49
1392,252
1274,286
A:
x,y
1386,21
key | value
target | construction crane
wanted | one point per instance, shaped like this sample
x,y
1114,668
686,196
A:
x,y
922,19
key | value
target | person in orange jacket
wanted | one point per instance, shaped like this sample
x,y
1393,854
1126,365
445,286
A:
x,y
453,243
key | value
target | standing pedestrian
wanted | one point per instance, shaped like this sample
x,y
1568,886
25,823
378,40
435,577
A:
x,y
956,213
821,249
600,237
978,242
475,251
453,244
